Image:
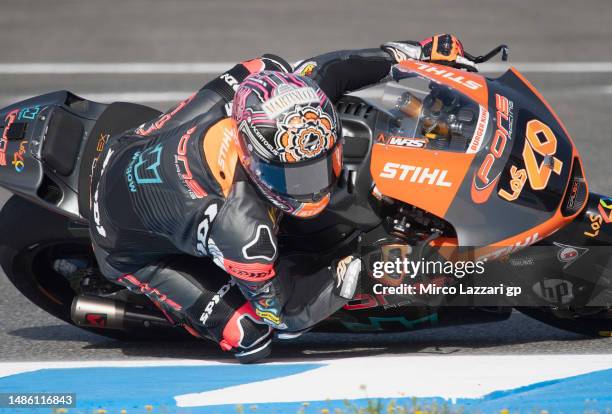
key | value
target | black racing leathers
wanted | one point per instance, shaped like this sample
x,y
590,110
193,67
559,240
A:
x,y
173,186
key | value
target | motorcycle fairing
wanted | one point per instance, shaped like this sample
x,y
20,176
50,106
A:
x,y
486,219
44,145
24,171
470,84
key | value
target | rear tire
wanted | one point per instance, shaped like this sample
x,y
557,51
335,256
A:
x,y
30,233
26,226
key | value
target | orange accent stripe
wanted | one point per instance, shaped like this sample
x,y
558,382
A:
x,y
220,152
254,65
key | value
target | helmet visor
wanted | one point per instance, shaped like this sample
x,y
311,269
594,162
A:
x,y
303,181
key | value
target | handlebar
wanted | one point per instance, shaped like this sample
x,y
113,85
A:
x,y
484,58
469,62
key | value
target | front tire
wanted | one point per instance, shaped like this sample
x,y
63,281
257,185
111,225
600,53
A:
x,y
593,322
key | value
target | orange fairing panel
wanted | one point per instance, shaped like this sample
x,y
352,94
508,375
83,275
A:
x,y
220,152
424,178
470,84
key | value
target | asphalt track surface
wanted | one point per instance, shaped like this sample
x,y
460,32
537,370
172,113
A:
x,y
225,31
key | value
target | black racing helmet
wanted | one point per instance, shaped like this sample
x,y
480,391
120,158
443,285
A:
x,y
288,140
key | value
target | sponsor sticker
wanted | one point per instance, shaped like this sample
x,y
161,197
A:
x,y
452,76
407,142
29,113
569,254
96,208
306,69
215,300
268,316
287,97
486,177
480,132
193,188
143,169
415,174
10,119
605,209
596,222
557,291
18,160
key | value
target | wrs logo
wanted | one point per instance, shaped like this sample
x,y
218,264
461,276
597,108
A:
x,y
407,142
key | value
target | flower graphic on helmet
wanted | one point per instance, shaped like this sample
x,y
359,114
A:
x,y
304,133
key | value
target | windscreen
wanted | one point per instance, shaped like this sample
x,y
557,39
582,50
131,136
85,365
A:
x,y
426,114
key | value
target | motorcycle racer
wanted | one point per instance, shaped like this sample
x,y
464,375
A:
x,y
213,176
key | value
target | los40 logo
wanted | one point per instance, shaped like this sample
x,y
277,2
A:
x,y
603,216
539,139
605,209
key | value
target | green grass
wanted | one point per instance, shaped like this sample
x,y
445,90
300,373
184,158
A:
x,y
373,406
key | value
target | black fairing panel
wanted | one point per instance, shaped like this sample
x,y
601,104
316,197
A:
x,y
64,134
26,173
43,142
499,219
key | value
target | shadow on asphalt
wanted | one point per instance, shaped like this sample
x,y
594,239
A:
x,y
473,339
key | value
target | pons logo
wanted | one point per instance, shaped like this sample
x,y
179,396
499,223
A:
x,y
414,174
486,177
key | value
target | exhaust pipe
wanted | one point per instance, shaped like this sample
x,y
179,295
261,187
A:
x,y
107,313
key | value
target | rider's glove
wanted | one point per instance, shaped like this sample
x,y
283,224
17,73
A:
x,y
444,49
441,48
403,50
242,332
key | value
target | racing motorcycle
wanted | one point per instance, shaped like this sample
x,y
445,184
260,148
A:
x,y
444,160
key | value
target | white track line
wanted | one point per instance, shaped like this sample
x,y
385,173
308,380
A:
x,y
456,376
149,97
549,67
175,96
112,68
12,368
72,68
449,377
